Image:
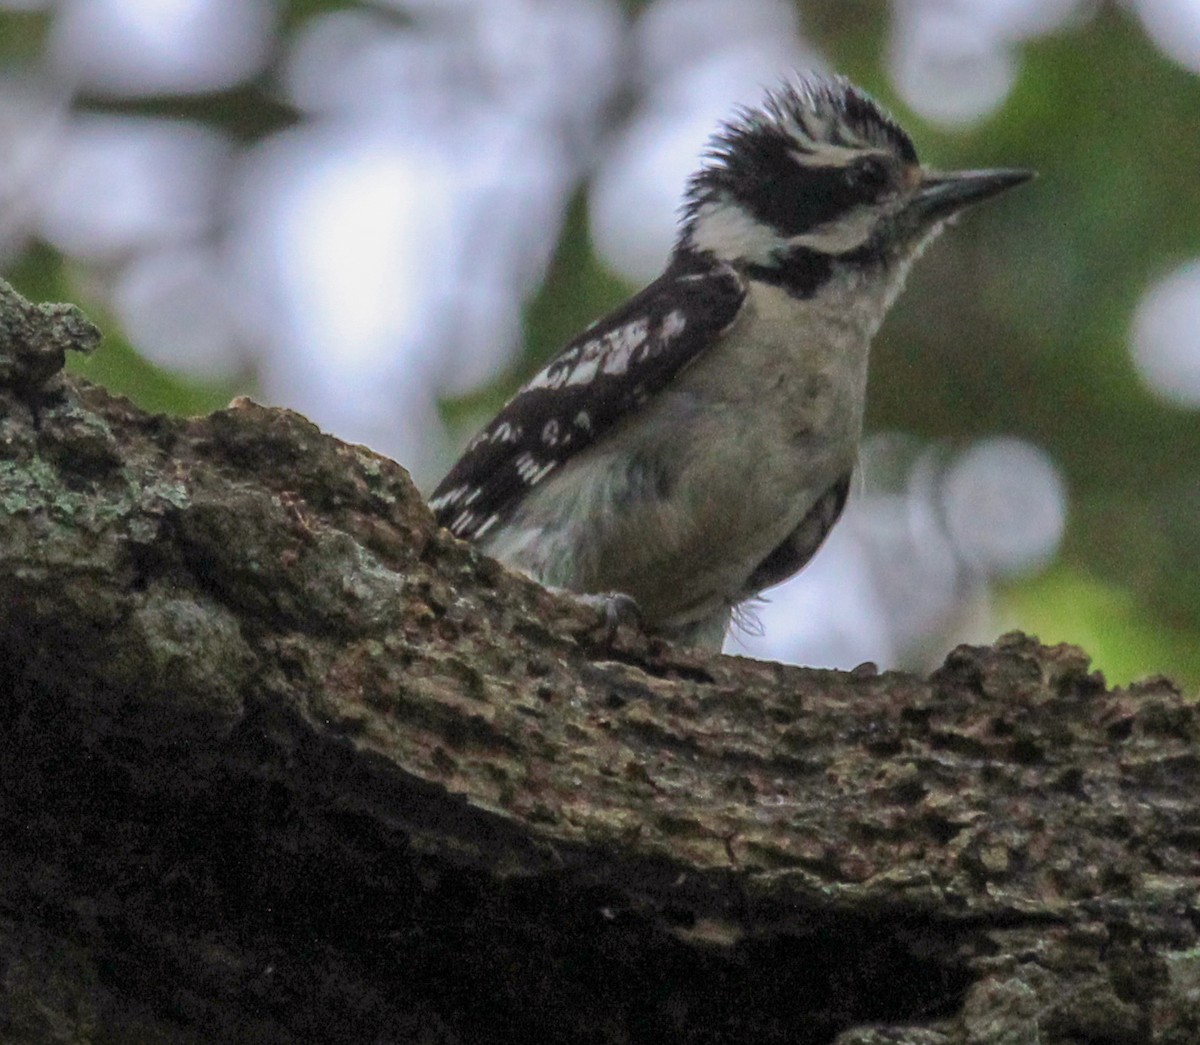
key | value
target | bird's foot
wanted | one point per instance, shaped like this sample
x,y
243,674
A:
x,y
617,609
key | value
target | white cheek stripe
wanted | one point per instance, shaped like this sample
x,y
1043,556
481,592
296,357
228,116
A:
x,y
841,235
731,234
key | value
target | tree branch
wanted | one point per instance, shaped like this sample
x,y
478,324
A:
x,y
286,763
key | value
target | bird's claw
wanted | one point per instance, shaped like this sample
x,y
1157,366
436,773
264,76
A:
x,y
617,608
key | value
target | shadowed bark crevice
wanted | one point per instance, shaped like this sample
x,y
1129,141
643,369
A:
x,y
283,762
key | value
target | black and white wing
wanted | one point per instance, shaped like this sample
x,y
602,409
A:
x,y
614,367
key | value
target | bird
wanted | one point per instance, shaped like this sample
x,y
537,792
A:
x,y
695,446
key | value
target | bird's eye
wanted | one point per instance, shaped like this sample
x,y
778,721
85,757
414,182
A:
x,y
868,176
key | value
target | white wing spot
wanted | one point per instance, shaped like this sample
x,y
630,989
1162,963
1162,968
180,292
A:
x,y
553,376
583,420
589,362
673,324
557,372
622,343
525,465
452,497
506,432
550,432
530,470
610,354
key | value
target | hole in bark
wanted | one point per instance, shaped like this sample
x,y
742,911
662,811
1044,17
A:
x,y
1070,781
916,716
1121,730
942,830
910,792
884,747
1026,752
1002,727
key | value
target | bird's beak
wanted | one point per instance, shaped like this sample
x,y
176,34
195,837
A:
x,y
942,194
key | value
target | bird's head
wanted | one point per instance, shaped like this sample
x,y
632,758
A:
x,y
821,176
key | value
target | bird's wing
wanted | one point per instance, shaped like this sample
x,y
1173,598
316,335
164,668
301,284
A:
x,y
613,367
794,551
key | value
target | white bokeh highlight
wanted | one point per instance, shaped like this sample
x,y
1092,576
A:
x,y
116,184
947,65
1017,20
953,61
673,36
347,61
332,282
1165,340
32,120
133,47
174,306
637,193
397,233
828,619
1005,506
1174,26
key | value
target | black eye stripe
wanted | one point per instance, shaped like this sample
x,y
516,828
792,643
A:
x,y
798,200
781,191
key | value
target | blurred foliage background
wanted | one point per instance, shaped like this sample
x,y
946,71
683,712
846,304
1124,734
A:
x,y
386,214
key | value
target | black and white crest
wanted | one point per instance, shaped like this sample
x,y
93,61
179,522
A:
x,y
818,113
607,372
814,149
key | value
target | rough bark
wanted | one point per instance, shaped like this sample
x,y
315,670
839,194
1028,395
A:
x,y
284,763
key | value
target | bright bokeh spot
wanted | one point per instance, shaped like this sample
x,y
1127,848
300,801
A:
x,y
1166,336
174,307
1174,26
948,66
1005,506
132,47
121,183
829,617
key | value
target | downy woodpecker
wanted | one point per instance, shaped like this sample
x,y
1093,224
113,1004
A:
x,y
695,446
